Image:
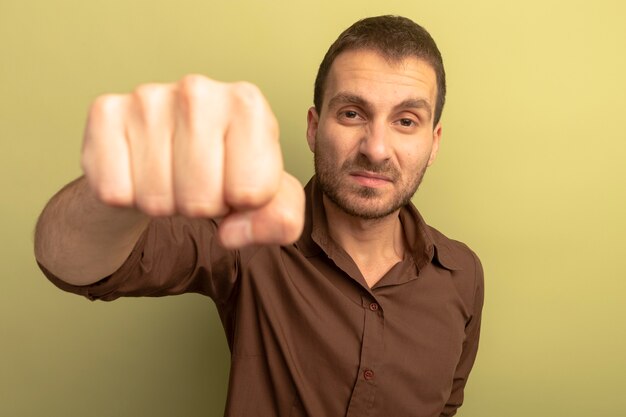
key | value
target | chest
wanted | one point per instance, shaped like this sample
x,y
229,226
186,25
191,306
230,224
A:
x,y
337,340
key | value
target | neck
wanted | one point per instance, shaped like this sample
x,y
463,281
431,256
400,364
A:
x,y
375,245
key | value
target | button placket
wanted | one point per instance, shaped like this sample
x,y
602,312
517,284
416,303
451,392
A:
x,y
365,388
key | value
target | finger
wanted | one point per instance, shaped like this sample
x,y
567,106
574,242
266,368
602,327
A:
x,y
150,131
105,158
253,162
279,222
199,147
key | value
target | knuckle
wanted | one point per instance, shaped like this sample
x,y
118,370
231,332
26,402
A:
x,y
148,92
106,105
191,89
292,223
290,209
246,196
112,195
151,102
290,231
108,191
248,98
247,95
198,203
194,97
155,205
196,208
194,83
191,92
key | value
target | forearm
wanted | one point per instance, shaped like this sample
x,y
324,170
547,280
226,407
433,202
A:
x,y
81,240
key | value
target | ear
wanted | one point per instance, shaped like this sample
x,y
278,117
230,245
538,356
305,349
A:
x,y
436,140
312,120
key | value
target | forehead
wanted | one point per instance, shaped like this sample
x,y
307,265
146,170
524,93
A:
x,y
368,74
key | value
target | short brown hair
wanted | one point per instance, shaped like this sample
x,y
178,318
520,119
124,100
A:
x,y
394,37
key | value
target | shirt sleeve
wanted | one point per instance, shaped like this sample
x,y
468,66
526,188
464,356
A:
x,y
173,256
470,346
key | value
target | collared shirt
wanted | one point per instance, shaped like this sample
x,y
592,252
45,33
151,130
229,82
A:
x,y
307,335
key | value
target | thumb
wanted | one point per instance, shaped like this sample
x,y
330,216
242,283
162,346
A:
x,y
279,222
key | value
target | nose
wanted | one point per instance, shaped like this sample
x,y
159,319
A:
x,y
375,142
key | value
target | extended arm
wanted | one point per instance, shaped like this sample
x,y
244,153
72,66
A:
x,y
83,240
198,147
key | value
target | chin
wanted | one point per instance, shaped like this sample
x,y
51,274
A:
x,y
369,207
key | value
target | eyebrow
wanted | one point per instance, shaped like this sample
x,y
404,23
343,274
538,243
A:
x,y
416,103
347,98
411,103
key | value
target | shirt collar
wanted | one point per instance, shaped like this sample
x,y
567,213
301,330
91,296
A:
x,y
425,246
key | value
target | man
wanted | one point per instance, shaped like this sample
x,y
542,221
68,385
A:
x,y
343,303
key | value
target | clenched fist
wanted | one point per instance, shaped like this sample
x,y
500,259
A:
x,y
199,148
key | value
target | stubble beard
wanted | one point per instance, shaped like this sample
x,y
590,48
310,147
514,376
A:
x,y
358,200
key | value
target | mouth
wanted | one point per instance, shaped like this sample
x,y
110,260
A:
x,y
370,179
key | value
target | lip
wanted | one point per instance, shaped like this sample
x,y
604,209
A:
x,y
370,179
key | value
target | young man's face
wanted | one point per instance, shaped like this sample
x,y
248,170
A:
x,y
374,137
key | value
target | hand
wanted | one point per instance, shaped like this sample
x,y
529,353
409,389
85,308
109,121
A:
x,y
199,148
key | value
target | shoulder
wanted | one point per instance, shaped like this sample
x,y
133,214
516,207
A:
x,y
457,255
454,251
466,271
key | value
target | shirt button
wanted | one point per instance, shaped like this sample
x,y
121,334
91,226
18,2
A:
x,y
368,374
374,307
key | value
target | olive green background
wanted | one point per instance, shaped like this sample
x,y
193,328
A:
x,y
530,174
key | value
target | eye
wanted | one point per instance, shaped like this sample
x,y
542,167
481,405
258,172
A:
x,y
407,122
350,116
